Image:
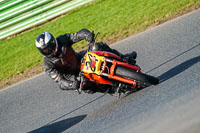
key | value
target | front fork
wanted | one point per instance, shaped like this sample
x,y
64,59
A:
x,y
112,75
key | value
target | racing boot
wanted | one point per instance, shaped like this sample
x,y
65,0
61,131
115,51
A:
x,y
130,57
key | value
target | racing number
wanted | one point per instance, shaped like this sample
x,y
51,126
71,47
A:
x,y
92,62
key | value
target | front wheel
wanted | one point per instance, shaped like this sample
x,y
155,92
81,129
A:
x,y
128,73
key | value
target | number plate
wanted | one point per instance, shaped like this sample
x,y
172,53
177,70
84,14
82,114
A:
x,y
93,63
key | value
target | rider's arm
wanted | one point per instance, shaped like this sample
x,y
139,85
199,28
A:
x,y
65,82
70,38
83,34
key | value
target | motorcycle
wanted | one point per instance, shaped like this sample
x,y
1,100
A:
x,y
105,68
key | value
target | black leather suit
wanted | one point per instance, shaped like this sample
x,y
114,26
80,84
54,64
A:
x,y
64,68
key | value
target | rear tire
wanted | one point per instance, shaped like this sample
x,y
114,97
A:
x,y
128,73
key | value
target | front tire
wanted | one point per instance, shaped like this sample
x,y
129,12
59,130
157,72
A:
x,y
141,77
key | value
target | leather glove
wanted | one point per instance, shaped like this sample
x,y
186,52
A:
x,y
69,82
91,37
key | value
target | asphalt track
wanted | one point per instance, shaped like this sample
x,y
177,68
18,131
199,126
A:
x,y
170,51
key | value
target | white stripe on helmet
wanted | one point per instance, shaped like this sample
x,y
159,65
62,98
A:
x,y
38,44
42,42
47,37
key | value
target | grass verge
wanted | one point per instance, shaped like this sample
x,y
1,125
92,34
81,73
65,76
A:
x,y
114,19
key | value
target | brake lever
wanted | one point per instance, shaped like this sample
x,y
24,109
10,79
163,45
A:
x,y
93,42
96,36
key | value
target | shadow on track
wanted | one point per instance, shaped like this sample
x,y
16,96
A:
x,y
77,109
173,58
54,127
60,126
178,69
174,71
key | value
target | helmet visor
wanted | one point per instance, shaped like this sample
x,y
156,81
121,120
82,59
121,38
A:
x,y
46,51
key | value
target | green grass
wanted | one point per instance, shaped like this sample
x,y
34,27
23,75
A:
x,y
112,18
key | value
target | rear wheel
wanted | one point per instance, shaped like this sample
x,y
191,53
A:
x,y
127,73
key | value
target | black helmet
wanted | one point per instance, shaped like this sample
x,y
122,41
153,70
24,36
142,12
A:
x,y
46,44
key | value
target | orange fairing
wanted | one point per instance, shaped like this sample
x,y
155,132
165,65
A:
x,y
91,67
106,54
94,64
97,79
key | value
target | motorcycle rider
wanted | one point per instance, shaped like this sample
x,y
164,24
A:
x,y
62,63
